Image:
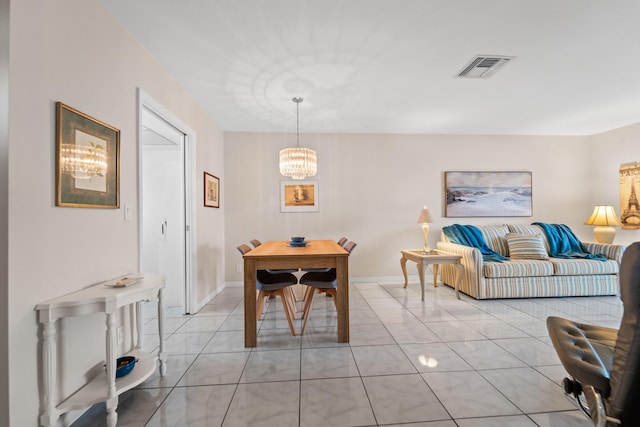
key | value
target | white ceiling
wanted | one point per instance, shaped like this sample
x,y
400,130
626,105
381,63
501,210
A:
x,y
390,66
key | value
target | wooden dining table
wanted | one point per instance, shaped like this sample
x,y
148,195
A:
x,y
279,254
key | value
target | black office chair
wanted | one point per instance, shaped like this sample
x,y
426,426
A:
x,y
604,363
274,284
320,281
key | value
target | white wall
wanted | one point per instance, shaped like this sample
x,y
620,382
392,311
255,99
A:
x,y
74,51
4,210
372,188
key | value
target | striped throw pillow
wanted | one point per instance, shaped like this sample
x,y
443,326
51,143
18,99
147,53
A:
x,y
526,246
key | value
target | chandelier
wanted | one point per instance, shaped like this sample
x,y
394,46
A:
x,y
83,161
296,162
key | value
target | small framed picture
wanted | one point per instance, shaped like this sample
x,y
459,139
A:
x,y
299,196
211,191
87,160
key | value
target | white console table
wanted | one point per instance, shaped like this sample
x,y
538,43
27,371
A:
x,y
105,387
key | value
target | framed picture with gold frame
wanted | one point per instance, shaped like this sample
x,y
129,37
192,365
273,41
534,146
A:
x,y
299,196
211,191
87,160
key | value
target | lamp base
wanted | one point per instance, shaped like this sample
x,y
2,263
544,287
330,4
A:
x,y
604,234
425,232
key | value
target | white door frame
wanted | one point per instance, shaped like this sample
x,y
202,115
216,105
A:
x,y
145,101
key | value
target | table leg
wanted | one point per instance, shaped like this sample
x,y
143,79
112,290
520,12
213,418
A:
x,y
435,275
49,344
162,357
459,273
112,397
342,297
421,267
250,328
403,264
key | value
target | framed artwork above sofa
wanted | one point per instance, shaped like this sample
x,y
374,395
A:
x,y
487,194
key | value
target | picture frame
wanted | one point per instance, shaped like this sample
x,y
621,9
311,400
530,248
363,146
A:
x,y
629,189
211,191
87,160
488,194
299,196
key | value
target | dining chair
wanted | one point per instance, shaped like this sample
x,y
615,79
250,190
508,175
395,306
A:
x,y
274,284
342,241
256,243
320,281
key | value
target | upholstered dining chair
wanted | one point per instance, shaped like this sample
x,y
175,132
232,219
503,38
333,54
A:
x,y
320,281
342,241
604,363
274,284
255,243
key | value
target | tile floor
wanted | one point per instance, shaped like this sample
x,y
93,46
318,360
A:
x,y
439,363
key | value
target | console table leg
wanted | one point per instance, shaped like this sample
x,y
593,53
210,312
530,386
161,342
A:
x,y
112,415
161,355
49,416
112,342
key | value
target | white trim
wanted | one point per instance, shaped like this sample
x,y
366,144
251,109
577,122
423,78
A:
x,y
191,266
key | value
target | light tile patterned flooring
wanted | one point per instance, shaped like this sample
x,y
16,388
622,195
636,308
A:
x,y
439,363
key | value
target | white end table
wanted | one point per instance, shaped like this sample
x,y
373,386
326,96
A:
x,y
435,258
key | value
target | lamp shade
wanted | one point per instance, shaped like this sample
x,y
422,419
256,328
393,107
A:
x,y
603,215
425,216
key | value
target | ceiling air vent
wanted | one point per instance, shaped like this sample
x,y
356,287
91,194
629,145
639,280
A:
x,y
484,66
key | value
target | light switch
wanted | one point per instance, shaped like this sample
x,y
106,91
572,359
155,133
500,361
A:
x,y
128,214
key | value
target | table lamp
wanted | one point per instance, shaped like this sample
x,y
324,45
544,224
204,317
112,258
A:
x,y
603,217
424,219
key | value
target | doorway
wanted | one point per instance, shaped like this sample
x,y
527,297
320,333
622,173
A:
x,y
165,182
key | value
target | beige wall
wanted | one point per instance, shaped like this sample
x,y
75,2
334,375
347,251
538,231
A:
x,y
74,51
372,188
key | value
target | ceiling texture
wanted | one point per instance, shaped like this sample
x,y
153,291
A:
x,y
391,66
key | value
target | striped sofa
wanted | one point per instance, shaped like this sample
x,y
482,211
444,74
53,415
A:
x,y
525,278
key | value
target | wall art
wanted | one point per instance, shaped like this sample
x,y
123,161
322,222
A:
x,y
87,160
487,194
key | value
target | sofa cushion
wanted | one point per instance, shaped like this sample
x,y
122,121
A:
x,y
529,229
494,237
526,246
578,267
518,268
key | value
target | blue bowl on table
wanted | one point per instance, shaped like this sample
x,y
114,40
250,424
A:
x,y
124,365
297,240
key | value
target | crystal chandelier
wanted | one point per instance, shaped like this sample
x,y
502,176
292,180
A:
x,y
298,163
83,161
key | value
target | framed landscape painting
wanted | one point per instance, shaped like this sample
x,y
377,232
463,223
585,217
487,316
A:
x,y
487,194
299,196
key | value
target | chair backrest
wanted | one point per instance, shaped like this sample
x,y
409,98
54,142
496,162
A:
x,y
342,241
349,246
244,248
625,374
256,243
